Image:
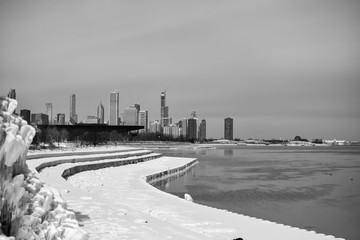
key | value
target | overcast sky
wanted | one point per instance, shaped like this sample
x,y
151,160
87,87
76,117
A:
x,y
278,68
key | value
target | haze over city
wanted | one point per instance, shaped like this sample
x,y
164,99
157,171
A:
x,y
279,68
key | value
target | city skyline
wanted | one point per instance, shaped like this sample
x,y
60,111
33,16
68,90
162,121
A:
x,y
279,68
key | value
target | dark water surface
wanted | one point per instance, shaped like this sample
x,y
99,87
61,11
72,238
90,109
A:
x,y
316,188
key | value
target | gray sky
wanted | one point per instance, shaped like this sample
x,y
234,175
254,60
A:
x,y
279,68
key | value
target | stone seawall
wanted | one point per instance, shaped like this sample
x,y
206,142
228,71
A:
x,y
101,158
99,165
170,173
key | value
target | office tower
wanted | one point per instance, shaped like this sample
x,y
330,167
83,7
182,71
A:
x,y
12,94
114,108
137,106
164,111
155,126
131,116
40,119
25,114
49,112
192,128
73,116
184,125
228,128
202,130
60,118
172,130
144,120
100,113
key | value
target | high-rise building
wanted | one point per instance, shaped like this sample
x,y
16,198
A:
x,y
155,126
49,112
60,118
172,130
228,128
39,119
164,111
184,128
100,113
73,116
193,114
114,108
12,94
144,120
131,116
137,106
25,114
202,130
192,128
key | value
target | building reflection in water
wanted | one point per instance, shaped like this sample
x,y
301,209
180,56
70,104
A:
x,y
228,152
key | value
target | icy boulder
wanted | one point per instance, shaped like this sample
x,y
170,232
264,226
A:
x,y
188,198
28,209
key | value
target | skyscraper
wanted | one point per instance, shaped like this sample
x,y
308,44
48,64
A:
x,y
184,130
114,108
100,113
137,106
228,128
131,116
12,94
144,120
25,114
192,128
73,116
164,111
172,130
202,130
49,112
40,118
155,126
60,118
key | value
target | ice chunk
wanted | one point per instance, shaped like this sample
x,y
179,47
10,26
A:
x,y
188,197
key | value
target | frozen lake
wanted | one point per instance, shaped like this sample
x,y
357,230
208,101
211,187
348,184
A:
x,y
316,188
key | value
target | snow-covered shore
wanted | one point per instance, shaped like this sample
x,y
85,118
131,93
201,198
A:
x,y
118,203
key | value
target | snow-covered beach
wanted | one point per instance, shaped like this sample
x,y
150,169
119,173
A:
x,y
118,203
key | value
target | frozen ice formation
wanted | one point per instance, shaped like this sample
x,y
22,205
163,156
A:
x,y
28,208
187,197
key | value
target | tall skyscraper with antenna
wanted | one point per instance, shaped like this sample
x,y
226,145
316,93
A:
x,y
164,111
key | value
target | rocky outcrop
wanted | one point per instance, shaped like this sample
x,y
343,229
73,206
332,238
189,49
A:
x,y
28,208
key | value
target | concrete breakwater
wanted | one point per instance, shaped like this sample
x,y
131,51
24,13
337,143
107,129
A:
x,y
169,173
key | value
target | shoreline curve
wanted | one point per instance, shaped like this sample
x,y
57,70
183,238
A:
x,y
142,205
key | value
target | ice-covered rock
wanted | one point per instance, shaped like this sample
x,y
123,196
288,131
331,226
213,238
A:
x,y
187,197
28,208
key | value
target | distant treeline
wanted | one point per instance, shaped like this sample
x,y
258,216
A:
x,y
53,136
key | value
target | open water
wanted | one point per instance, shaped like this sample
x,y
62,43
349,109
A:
x,y
315,188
